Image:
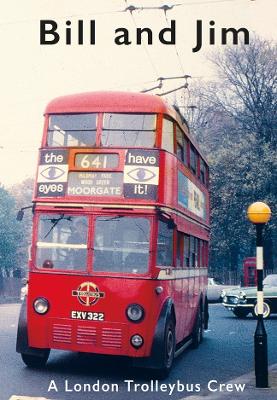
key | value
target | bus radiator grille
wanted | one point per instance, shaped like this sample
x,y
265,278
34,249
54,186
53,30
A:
x,y
111,338
86,335
62,333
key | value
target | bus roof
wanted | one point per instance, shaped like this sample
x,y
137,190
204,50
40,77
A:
x,y
116,101
111,102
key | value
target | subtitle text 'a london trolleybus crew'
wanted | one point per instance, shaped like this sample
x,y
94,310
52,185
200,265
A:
x,y
119,255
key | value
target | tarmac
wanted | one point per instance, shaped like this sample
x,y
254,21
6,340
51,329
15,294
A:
x,y
250,391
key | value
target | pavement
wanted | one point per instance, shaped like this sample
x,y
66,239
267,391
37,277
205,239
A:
x,y
14,397
249,391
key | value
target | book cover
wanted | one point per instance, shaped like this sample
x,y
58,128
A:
x,y
215,62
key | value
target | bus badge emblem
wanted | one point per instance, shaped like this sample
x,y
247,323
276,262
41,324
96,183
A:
x,y
88,293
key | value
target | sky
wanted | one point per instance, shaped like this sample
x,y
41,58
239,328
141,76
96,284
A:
x,y
33,74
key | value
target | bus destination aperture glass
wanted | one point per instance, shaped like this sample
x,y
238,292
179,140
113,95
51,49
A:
x,y
95,184
96,161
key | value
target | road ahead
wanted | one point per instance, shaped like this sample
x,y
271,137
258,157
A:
x,y
226,353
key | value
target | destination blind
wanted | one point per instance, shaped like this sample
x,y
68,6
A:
x,y
97,174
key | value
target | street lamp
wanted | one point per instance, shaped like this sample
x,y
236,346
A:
x,y
259,214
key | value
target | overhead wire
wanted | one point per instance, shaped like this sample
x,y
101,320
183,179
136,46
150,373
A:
x,y
170,7
128,8
143,44
165,9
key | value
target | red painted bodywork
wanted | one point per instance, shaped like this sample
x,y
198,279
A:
x,y
56,329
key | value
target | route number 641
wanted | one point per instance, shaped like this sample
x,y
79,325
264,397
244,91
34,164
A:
x,y
96,160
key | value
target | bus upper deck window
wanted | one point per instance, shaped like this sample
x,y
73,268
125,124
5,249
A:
x,y
72,130
193,159
203,172
180,144
128,130
168,135
186,146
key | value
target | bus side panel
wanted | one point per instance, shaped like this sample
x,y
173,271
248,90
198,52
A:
x,y
22,342
156,358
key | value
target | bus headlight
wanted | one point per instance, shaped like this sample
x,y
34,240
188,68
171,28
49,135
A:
x,y
137,341
135,312
41,305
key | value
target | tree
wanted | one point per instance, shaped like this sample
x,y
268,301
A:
x,y
22,194
235,121
248,83
10,233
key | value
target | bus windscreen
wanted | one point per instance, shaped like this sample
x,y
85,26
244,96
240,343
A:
x,y
121,244
62,242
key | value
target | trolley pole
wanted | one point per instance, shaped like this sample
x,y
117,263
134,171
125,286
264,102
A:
x,y
259,213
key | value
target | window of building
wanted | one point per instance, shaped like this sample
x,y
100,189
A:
x,y
168,135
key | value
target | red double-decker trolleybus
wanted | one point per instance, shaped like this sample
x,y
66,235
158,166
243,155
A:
x,y
119,249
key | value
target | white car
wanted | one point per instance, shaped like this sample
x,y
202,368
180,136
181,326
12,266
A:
x,y
216,289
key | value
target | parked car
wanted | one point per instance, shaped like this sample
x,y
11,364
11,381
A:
x,y
242,301
215,289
